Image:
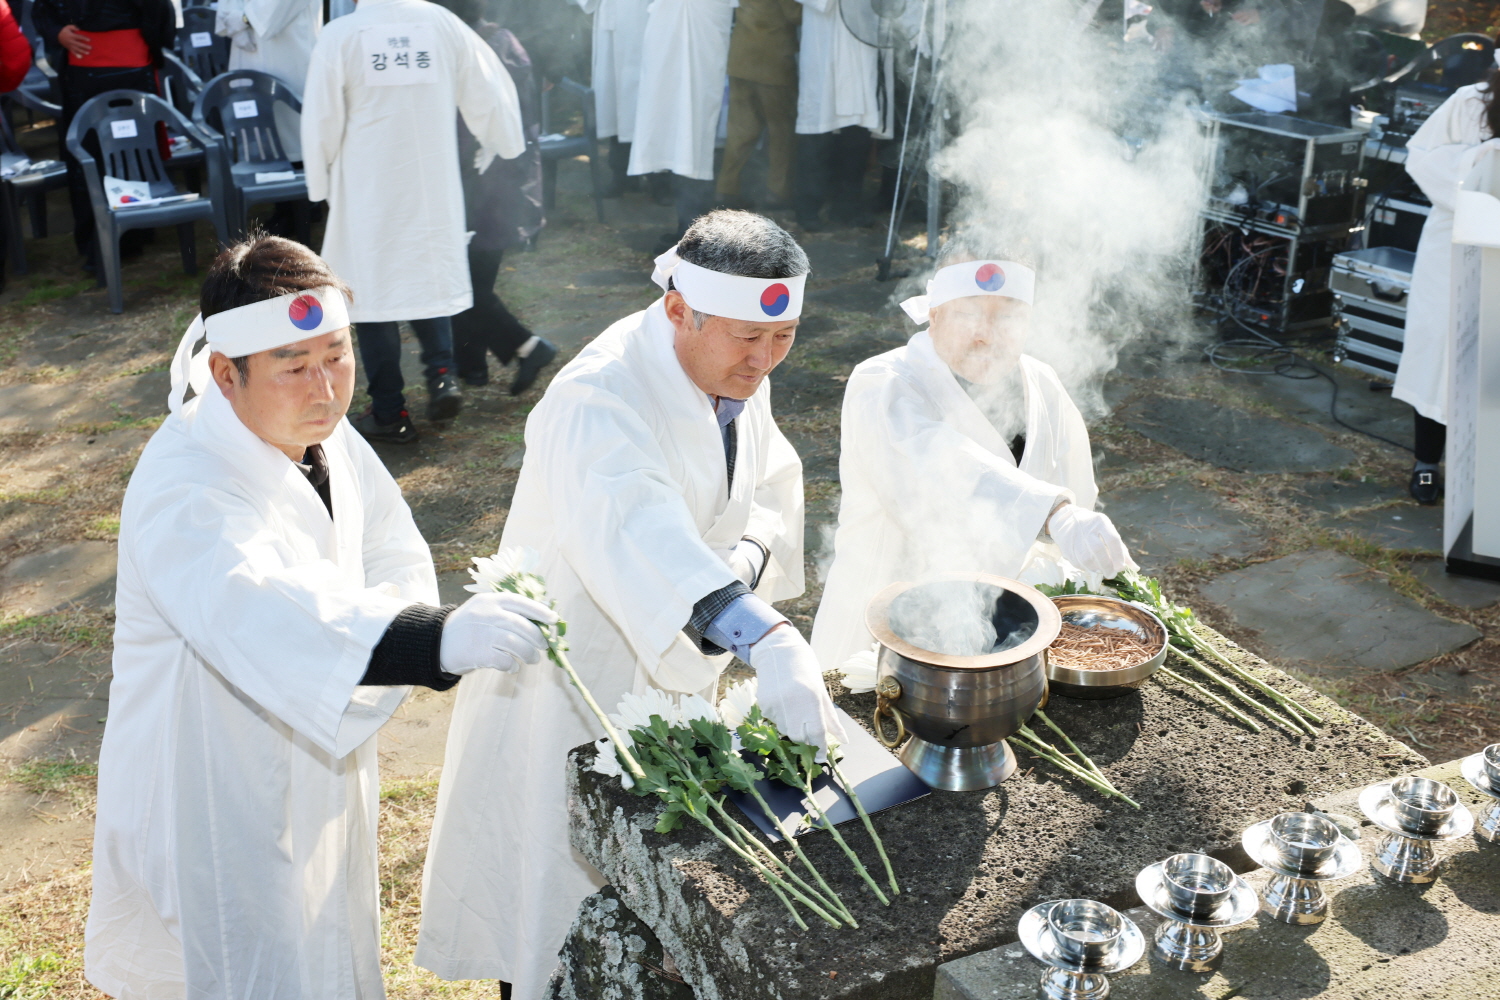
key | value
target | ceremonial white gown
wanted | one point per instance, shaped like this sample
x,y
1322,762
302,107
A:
x,y
684,70
839,78
1438,157
619,33
285,32
385,157
234,850
929,486
624,495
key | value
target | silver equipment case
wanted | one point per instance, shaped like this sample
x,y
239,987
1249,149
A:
x,y
1370,289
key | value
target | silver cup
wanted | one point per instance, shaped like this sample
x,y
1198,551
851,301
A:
x,y
1422,805
1086,932
1492,765
1304,841
1197,884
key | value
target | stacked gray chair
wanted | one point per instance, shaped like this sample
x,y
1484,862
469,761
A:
x,y
205,53
124,124
238,110
26,187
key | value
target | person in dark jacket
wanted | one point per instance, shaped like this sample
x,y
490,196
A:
x,y
95,46
504,206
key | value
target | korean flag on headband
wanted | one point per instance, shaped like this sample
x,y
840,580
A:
x,y
774,299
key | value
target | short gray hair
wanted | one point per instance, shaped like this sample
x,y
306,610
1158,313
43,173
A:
x,y
742,243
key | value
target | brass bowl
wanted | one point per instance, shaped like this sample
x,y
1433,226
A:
x,y
1094,611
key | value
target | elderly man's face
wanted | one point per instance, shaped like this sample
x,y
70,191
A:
x,y
295,395
981,336
727,357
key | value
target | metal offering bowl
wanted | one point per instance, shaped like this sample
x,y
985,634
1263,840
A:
x,y
1183,889
1106,941
1379,804
1287,856
1095,611
960,668
1237,904
1480,770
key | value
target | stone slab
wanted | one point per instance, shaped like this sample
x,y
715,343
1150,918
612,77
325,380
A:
x,y
78,574
1233,439
1382,940
1323,609
1461,591
1179,520
971,863
1408,527
611,954
1307,399
1335,496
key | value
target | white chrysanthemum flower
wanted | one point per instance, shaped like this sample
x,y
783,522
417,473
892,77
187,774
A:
x,y
859,671
737,702
694,707
607,763
489,571
635,710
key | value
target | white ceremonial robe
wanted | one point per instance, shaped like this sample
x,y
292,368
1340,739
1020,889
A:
x,y
839,78
234,850
285,33
623,494
619,33
684,70
385,158
1438,157
929,486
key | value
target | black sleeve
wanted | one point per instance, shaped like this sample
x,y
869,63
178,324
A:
x,y
706,610
158,26
48,18
410,652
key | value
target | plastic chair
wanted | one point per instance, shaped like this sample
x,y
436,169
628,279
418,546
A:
x,y
28,188
562,147
239,111
125,124
204,52
180,87
40,92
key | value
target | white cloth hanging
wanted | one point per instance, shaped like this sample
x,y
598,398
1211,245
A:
x,y
839,78
235,848
283,34
383,152
929,486
684,66
623,494
1438,157
619,33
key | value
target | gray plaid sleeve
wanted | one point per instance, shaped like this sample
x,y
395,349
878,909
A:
x,y
706,610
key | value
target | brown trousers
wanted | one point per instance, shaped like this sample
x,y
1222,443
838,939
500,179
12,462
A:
x,y
753,106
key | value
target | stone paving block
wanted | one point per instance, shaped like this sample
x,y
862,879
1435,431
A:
x,y
1324,609
78,574
1409,526
1382,940
1233,439
1178,521
1462,591
1308,399
1334,496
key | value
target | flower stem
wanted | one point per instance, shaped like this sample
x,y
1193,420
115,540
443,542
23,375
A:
x,y
1254,726
805,787
1290,703
848,787
765,872
1233,689
561,659
1046,751
832,896
740,835
1085,758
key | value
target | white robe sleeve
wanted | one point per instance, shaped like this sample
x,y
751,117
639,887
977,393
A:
x,y
776,519
621,521
287,633
1436,154
394,550
487,99
946,493
269,17
324,116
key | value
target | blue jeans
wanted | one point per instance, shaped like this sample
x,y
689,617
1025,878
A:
x,y
380,350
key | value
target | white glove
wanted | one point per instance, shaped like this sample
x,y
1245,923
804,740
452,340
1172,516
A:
x,y
790,689
496,631
746,560
1089,540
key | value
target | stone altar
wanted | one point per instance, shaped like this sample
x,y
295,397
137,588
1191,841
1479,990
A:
x,y
970,863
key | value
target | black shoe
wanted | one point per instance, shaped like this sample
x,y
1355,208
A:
x,y
529,367
476,379
444,398
1425,488
400,432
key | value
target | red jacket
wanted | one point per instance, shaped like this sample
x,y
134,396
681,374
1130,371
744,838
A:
x,y
15,51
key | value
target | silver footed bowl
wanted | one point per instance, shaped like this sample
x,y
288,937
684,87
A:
x,y
1097,611
1233,904
1445,818
1482,770
1317,858
1086,937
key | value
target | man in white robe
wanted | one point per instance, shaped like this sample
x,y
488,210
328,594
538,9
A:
x,y
843,98
961,454
275,37
619,33
684,73
274,601
1438,157
380,144
666,507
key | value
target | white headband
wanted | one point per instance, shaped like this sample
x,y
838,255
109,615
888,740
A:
x,y
732,296
259,326
1004,278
